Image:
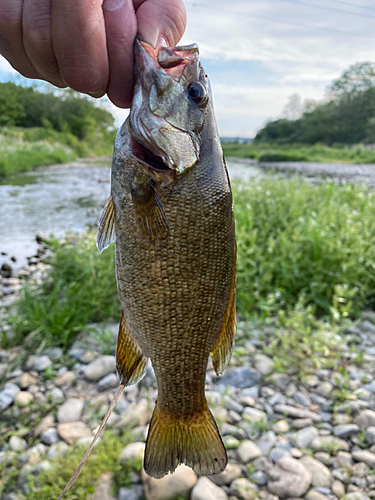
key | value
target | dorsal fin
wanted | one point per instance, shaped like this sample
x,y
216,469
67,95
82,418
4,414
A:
x,y
106,232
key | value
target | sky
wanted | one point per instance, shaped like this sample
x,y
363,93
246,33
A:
x,y
258,53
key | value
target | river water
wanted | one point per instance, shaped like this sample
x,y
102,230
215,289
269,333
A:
x,y
59,199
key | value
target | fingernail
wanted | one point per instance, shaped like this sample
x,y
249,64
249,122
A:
x,y
112,4
161,42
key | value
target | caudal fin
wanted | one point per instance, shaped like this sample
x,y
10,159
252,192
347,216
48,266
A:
x,y
194,441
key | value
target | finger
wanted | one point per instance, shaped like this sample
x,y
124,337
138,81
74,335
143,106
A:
x,y
161,23
121,29
37,39
79,44
11,46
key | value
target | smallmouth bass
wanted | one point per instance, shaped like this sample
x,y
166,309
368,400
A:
x,y
170,212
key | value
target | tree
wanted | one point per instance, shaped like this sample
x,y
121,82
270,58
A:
x,y
293,108
359,77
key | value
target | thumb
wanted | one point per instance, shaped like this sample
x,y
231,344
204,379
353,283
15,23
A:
x,y
161,22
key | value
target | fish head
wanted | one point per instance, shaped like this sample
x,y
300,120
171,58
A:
x,y
170,103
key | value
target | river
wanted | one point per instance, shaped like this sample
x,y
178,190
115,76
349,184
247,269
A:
x,y
58,199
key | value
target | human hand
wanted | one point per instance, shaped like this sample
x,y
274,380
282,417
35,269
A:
x,y
86,44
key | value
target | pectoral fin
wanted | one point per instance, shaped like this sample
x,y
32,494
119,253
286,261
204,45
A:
x,y
131,362
150,211
106,232
223,347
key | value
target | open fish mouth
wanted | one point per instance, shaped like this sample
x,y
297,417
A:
x,y
147,157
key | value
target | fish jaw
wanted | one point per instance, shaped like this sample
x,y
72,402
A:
x,y
163,117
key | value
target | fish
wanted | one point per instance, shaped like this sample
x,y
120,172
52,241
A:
x,y
170,213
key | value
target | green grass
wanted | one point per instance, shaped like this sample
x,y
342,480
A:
x,y
22,149
299,152
103,458
311,245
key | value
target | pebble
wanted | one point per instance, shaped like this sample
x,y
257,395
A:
x,y
171,486
41,363
133,493
364,419
280,427
65,378
323,443
247,451
240,377
70,411
100,367
7,395
289,478
345,431
231,472
108,382
243,489
338,489
72,431
103,488
321,475
305,436
253,415
49,436
46,422
365,456
133,451
24,398
370,435
315,495
205,489
294,412
17,444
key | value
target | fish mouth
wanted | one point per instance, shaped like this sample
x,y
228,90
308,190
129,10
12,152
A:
x,y
153,162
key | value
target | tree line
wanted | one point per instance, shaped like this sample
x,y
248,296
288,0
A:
x,y
63,111
347,116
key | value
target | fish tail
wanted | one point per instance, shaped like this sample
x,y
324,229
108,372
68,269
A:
x,y
193,440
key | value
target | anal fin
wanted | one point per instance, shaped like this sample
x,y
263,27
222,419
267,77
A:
x,y
106,231
222,350
193,440
131,362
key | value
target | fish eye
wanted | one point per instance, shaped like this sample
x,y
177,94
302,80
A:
x,y
196,92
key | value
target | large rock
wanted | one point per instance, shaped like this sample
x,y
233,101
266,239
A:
x,y
365,418
247,451
100,367
289,478
70,411
240,377
72,431
321,475
207,490
170,487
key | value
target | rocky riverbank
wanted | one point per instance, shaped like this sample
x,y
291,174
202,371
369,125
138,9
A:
x,y
288,434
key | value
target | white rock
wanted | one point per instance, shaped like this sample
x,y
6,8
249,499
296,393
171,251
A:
x,y
207,490
132,451
72,431
171,486
230,473
17,444
70,411
24,398
305,436
41,363
253,415
366,418
243,489
321,475
100,367
289,478
247,451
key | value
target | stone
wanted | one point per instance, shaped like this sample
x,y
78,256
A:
x,y
262,463
338,489
346,430
321,475
240,377
266,442
302,399
170,487
292,411
133,493
47,422
49,436
41,363
17,444
366,326
305,436
205,489
253,415
300,423
108,382
72,431
289,478
54,353
23,398
7,395
230,473
296,453
247,451
70,411
264,364
370,435
243,489
324,443
277,399
323,457
360,469
57,450
66,378
315,495
103,488
231,404
280,427
355,495
230,442
259,478
56,395
344,458
136,415
26,380
364,419
365,456
324,389
100,367
133,451
277,453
